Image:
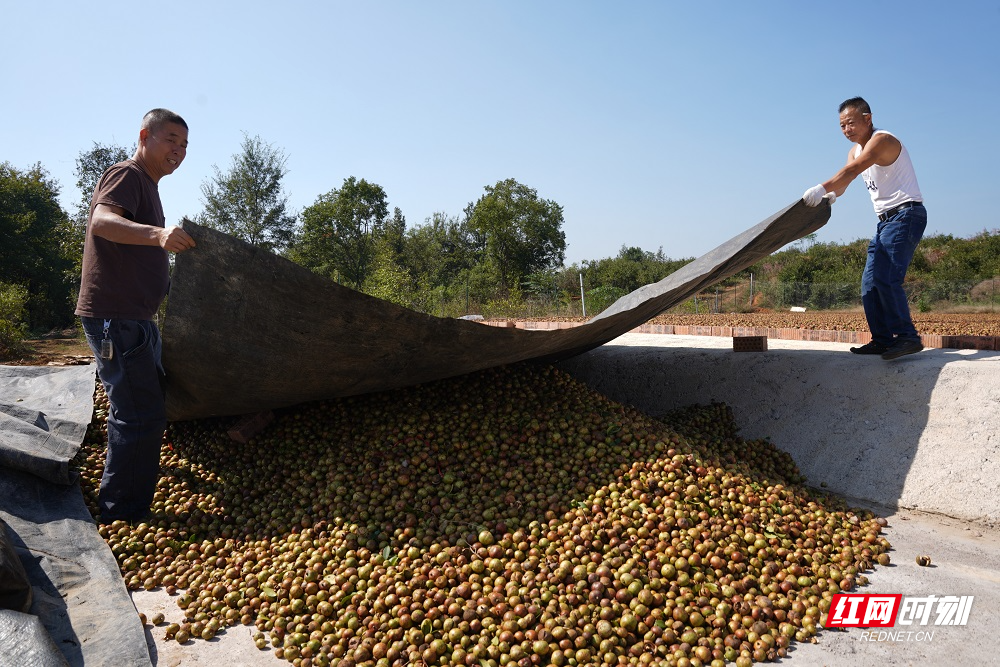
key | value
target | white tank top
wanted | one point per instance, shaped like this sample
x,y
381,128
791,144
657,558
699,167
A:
x,y
893,185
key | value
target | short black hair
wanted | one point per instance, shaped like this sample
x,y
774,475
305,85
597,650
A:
x,y
855,103
155,119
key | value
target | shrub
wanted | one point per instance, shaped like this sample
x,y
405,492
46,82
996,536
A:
x,y
509,307
13,308
601,298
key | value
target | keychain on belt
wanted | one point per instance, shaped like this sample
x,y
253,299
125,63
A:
x,y
107,349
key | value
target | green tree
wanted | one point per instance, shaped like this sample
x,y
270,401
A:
x,y
438,256
13,299
437,251
341,231
388,280
248,201
545,288
31,252
394,233
90,165
518,233
631,269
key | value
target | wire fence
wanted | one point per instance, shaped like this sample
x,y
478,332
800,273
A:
x,y
923,296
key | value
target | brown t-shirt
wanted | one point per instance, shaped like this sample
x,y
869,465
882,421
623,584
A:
x,y
121,280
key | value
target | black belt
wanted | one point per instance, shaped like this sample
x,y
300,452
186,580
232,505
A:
x,y
902,207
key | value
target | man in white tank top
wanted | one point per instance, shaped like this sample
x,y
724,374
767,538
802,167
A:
x,y
884,165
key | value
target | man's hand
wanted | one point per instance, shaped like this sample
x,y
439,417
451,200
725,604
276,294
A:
x,y
814,195
175,239
109,222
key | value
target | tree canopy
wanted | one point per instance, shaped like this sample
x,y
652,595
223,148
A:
x,y
632,268
504,254
517,232
341,231
248,201
90,165
439,250
32,225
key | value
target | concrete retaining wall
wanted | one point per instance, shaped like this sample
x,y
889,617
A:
x,y
921,432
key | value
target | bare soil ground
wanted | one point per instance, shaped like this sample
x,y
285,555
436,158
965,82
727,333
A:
x,y
58,348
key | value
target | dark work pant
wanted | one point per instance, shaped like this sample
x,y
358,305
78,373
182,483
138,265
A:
x,y
889,254
134,381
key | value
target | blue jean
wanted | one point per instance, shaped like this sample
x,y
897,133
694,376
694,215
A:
x,y
889,256
134,381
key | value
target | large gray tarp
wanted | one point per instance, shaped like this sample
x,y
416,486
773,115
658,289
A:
x,y
247,331
80,613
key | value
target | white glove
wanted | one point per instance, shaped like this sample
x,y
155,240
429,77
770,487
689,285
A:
x,y
814,195
832,196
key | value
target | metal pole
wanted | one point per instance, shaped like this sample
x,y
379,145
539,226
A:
x,y
583,301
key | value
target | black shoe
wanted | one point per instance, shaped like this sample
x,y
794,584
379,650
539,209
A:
x,y
902,347
870,348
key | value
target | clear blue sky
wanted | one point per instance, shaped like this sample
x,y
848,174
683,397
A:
x,y
654,124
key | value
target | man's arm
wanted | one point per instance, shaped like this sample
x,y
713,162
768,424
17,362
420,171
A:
x,y
881,149
109,222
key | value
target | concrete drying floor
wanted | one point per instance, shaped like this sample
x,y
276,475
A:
x,y
916,439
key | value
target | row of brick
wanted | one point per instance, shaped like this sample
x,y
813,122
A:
x,y
813,335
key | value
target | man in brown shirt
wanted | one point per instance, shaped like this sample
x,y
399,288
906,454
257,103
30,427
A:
x,y
124,280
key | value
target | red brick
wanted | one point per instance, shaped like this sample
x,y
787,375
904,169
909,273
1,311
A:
x,y
932,340
249,426
749,343
969,342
